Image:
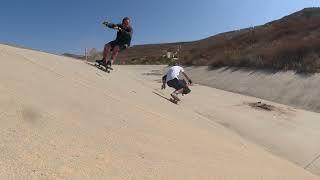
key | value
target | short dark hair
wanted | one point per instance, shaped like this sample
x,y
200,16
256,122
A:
x,y
125,19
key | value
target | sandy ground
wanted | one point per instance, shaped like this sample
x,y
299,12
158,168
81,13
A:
x,y
63,119
290,88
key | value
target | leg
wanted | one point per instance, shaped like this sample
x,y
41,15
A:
x,y
115,52
178,86
106,51
179,91
174,95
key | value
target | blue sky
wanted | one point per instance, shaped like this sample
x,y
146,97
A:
x,y
60,26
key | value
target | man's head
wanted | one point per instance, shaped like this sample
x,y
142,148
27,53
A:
x,y
176,63
126,22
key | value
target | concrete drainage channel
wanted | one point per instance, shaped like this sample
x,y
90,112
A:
x,y
286,88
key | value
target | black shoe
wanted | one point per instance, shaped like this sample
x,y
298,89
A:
x,y
98,61
101,62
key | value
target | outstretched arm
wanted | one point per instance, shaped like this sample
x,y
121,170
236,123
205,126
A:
x,y
109,24
185,75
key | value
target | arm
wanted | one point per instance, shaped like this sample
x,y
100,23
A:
x,y
164,79
109,24
185,75
115,26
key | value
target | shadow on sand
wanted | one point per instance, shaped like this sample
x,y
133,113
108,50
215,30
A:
x,y
161,96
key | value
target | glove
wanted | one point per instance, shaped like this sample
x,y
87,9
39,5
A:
x,y
190,82
105,23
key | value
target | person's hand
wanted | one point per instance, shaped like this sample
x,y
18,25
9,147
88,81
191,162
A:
x,y
105,23
163,86
190,82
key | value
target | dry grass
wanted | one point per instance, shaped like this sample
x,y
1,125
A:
x,y
284,45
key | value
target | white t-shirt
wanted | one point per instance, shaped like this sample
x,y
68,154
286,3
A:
x,y
174,72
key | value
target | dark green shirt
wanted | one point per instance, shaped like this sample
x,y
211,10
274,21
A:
x,y
124,37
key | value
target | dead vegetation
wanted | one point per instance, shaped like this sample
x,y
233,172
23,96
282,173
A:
x,y
262,106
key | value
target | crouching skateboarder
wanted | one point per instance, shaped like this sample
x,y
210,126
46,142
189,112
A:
x,y
123,41
172,80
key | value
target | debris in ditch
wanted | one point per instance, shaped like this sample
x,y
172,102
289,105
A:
x,y
262,106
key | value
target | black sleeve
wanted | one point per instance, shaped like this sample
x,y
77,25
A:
x,y
111,25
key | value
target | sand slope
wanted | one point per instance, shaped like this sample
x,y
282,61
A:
x,y
63,119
